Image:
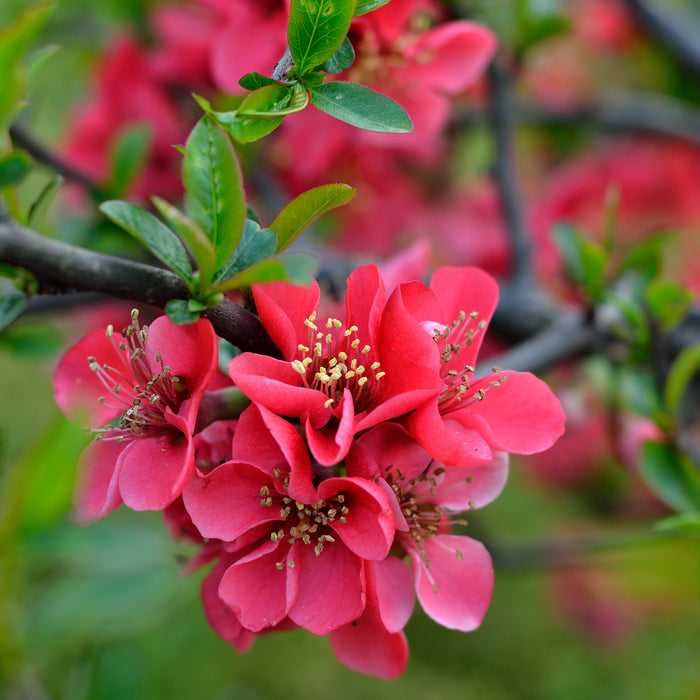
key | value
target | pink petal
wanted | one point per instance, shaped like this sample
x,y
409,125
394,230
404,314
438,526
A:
x,y
394,591
462,488
365,302
330,445
369,527
331,588
256,589
522,415
283,308
276,385
456,590
97,491
445,439
225,503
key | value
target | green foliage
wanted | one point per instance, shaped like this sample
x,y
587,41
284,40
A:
x,y
127,157
362,107
214,187
11,307
668,302
682,371
15,40
306,208
341,60
585,260
179,312
253,81
40,206
14,166
365,6
316,30
157,237
255,245
670,477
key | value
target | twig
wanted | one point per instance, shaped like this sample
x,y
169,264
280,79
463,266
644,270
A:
x,y
60,266
46,157
499,118
678,33
283,66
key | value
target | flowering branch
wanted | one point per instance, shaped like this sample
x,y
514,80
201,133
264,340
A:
x,y
63,267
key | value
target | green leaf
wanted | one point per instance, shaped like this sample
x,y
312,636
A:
x,y
179,312
585,259
670,477
304,209
668,302
14,166
684,522
316,30
256,244
365,6
11,307
299,268
253,81
196,240
361,107
128,156
646,256
154,234
214,187
681,373
37,211
341,60
313,79
269,270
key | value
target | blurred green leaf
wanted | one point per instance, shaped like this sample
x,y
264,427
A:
x,y
361,107
196,240
256,244
669,476
299,268
341,60
646,257
668,302
14,166
365,6
214,187
306,208
32,341
684,522
154,234
128,156
11,307
680,374
585,259
179,312
316,30
41,205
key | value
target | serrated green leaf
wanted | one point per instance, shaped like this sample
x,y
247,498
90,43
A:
x,y
316,30
11,307
41,205
681,373
361,107
128,156
306,208
179,312
341,60
253,81
214,187
154,234
14,167
195,239
299,268
269,270
670,477
365,6
668,302
256,244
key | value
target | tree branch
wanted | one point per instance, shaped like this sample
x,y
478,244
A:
x,y
61,267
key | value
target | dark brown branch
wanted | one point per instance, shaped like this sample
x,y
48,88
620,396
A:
x,y
61,267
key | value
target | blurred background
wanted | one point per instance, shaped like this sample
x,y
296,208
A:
x,y
590,600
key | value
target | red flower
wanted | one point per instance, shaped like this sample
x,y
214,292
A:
x,y
306,544
453,573
332,377
442,328
152,381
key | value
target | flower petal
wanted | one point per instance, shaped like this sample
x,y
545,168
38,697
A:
x,y
394,591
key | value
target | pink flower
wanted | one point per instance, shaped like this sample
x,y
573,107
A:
x,y
453,573
332,377
142,392
441,328
307,543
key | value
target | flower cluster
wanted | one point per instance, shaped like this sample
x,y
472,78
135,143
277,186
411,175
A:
x,y
328,504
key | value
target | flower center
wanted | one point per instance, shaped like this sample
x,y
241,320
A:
x,y
134,387
336,360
